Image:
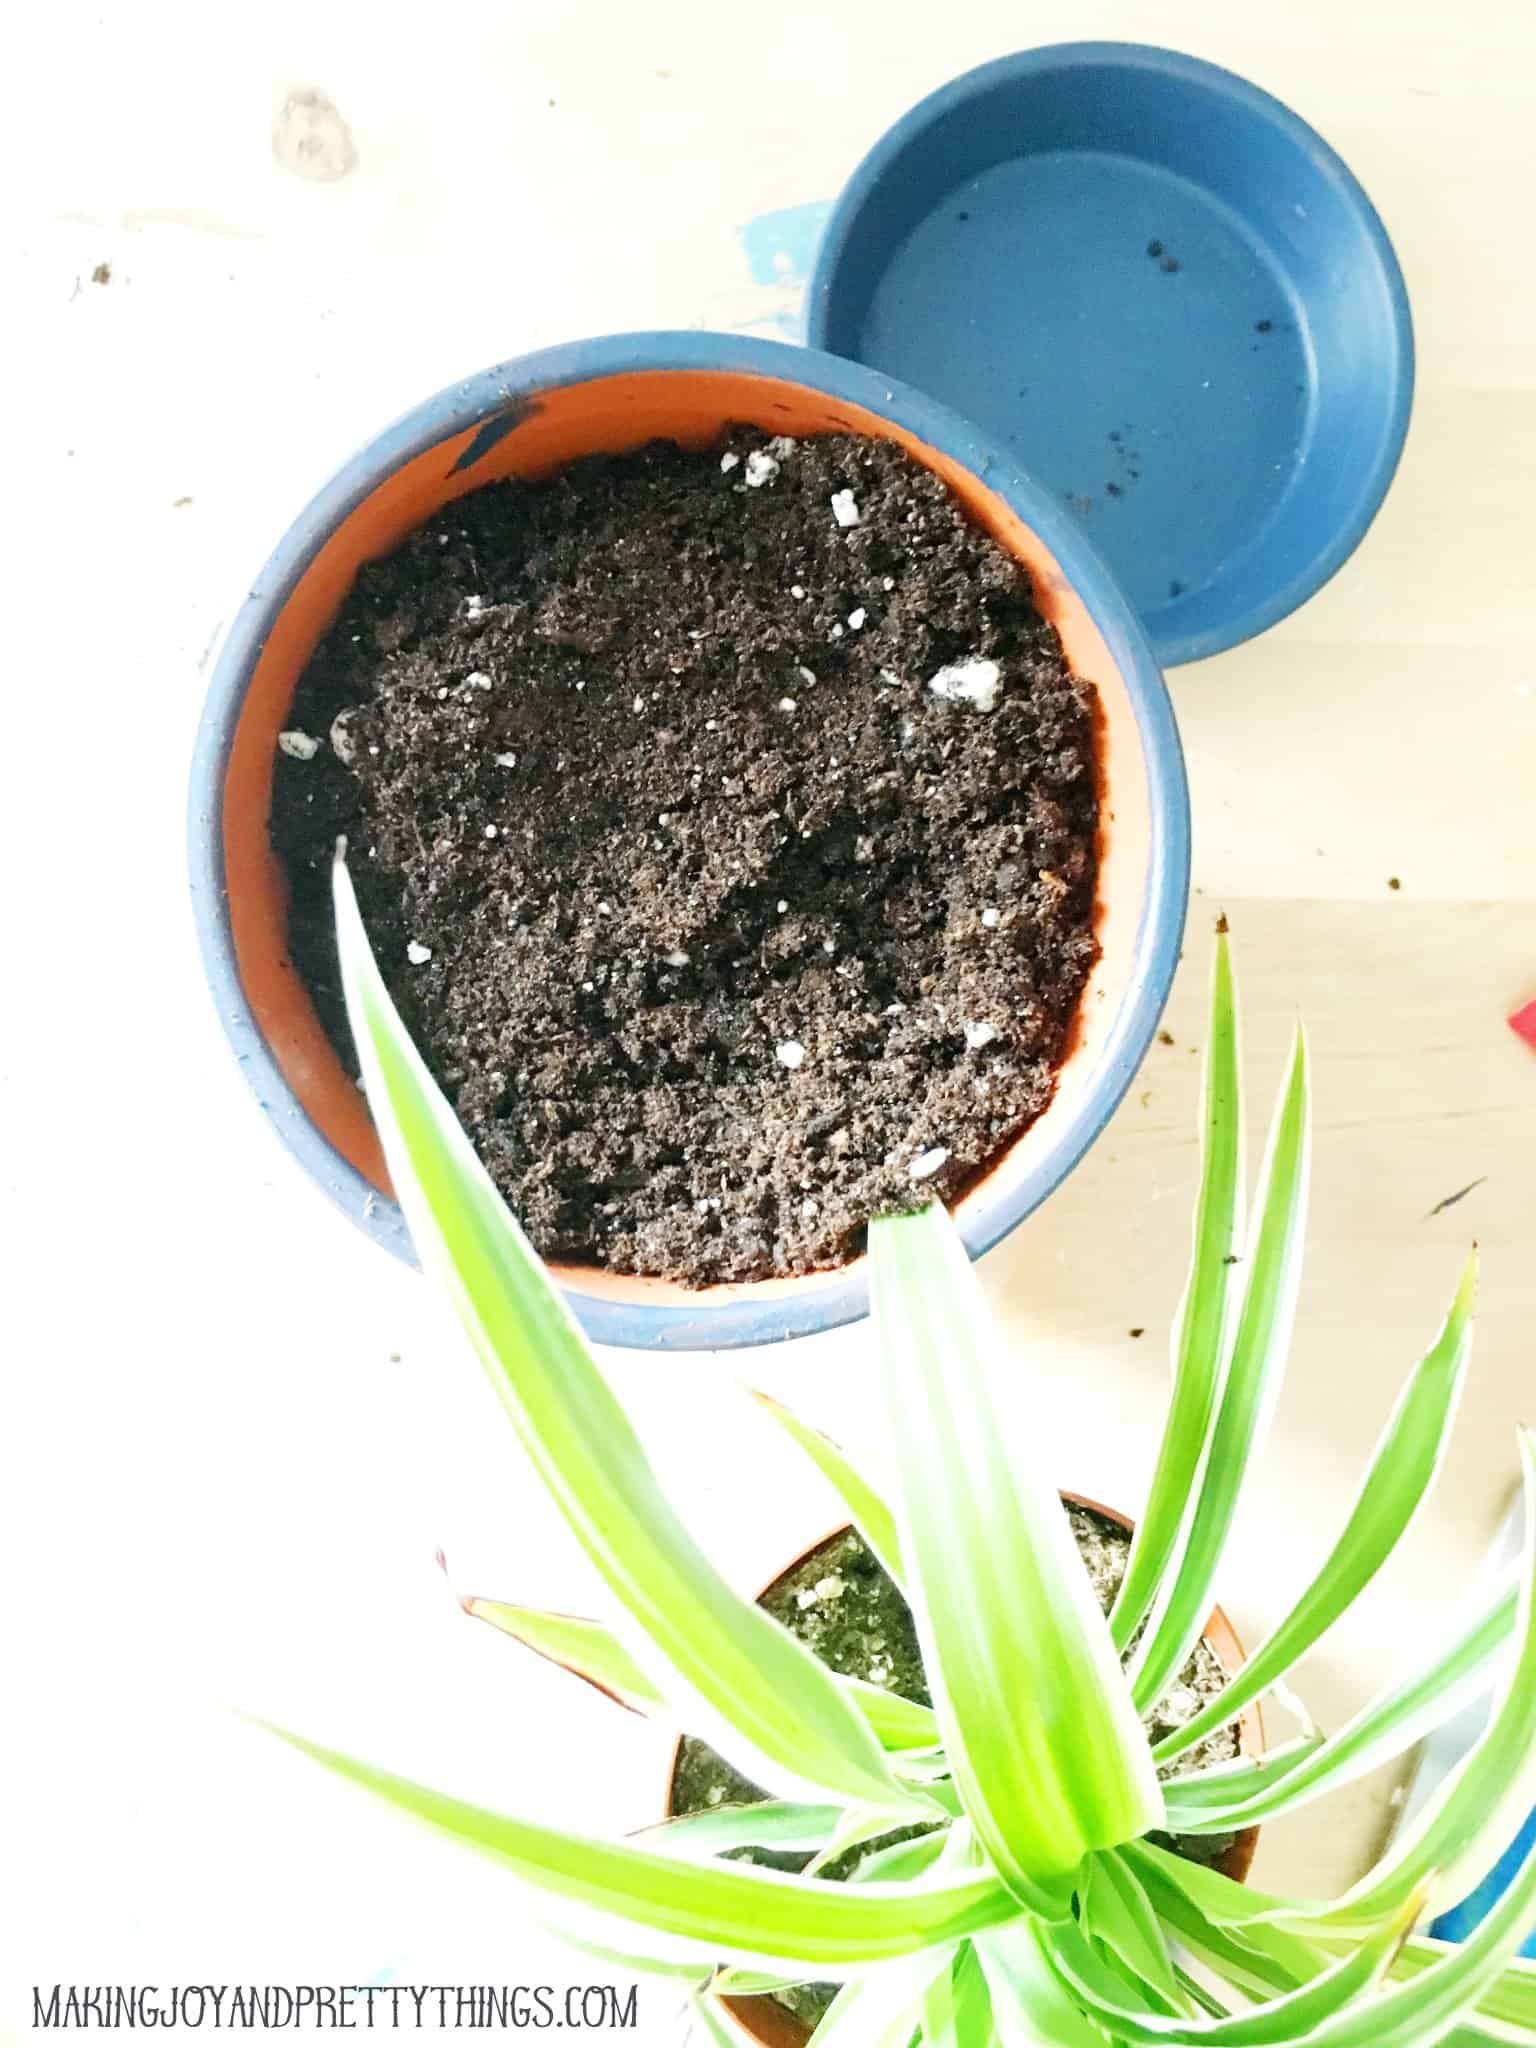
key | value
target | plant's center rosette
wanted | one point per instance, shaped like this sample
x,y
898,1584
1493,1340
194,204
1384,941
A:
x,y
841,1603
726,825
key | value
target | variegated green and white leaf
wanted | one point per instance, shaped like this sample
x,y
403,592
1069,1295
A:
x,y
738,1981
1223,1786
594,1653
1048,1755
777,1824
585,1648
1509,2001
1402,1470
1215,1802
1292,2016
1206,1316
1259,1348
1407,2015
899,1862
1253,1927
1030,2006
1241,1965
717,1912
962,2016
866,1508
899,1725
1114,1909
855,1827
739,1680
1476,1813
1203,1906
882,2008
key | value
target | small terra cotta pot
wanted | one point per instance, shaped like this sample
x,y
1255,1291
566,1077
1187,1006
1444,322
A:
x,y
533,417
762,2018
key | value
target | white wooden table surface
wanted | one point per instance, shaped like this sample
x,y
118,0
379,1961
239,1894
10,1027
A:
x,y
234,1433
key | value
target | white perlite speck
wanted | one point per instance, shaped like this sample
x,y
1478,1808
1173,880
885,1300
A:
x,y
783,906
639,703
677,958
797,590
978,1035
989,918
782,445
806,675
788,704
976,681
927,1164
342,744
505,760
417,953
856,618
887,582
789,1052
830,1588
729,460
490,831
845,508
808,1208
761,469
477,679
298,746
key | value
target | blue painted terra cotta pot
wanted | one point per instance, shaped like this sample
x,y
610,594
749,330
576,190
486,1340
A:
x,y
528,418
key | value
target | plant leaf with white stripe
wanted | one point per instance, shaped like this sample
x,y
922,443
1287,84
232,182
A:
x,y
1115,1910
867,1510
1258,1359
720,1912
1216,1801
1204,1326
1403,1468
1293,2016
738,1679
1409,2014
586,1649
1048,1755
1477,1812
591,1652
768,1824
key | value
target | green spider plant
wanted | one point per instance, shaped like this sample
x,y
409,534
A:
x,y
1025,1902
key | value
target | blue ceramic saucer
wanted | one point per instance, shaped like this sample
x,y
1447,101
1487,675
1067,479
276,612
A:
x,y
1164,294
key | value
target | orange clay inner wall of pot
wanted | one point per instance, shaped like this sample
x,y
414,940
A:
x,y
608,415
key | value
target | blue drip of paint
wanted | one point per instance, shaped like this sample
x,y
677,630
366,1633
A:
x,y
781,246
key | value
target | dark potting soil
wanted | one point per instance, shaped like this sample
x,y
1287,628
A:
x,y
841,1603
725,824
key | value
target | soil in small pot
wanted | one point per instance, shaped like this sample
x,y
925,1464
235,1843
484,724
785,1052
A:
x,y
841,1603
726,826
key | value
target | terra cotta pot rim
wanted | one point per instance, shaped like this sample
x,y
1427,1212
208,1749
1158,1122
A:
x,y
772,2025
474,419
